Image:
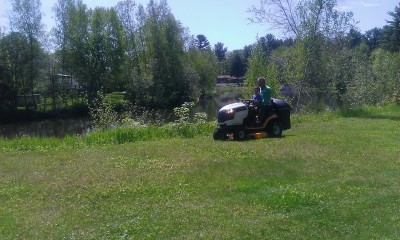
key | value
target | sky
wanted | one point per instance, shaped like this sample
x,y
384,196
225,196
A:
x,y
226,21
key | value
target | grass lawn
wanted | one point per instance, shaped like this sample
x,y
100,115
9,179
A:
x,y
332,176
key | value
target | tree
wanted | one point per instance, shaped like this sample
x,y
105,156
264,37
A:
x,y
202,42
26,18
131,67
164,46
306,18
79,50
96,47
354,38
115,48
135,71
203,67
259,65
247,53
372,38
220,51
391,32
238,68
61,32
14,58
105,50
314,23
269,43
385,66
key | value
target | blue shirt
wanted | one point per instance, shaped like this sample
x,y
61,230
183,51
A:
x,y
257,98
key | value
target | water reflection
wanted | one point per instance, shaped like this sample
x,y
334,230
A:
x,y
211,105
79,126
47,128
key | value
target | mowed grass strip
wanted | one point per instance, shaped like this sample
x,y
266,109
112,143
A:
x,y
329,177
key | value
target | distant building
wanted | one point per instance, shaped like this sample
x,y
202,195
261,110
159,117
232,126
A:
x,y
27,100
68,81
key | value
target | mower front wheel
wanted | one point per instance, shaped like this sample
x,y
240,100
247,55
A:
x,y
219,134
239,135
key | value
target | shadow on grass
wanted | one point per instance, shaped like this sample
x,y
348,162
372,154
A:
x,y
271,138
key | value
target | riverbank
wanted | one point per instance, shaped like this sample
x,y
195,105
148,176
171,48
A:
x,y
74,120
332,176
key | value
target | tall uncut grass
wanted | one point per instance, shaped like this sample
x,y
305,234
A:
x,y
117,135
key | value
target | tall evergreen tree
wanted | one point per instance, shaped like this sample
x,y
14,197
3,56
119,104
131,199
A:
x,y
238,68
220,51
391,32
354,38
373,38
202,42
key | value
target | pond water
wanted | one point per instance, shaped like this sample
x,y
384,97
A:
x,y
79,126
211,105
47,128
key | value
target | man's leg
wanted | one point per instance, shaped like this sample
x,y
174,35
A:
x,y
263,114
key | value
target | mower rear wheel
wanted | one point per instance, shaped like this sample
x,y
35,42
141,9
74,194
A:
x,y
274,129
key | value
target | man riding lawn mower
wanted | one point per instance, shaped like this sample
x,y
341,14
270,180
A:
x,y
256,118
239,120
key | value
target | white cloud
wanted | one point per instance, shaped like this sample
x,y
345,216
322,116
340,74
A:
x,y
343,8
371,3
353,5
348,5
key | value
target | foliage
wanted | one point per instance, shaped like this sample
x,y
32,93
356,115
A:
x,y
200,70
269,43
96,48
319,29
61,33
371,79
385,66
202,42
373,38
135,72
391,32
238,67
26,18
102,114
105,117
14,49
184,116
259,65
220,51
159,76
144,51
136,116
304,18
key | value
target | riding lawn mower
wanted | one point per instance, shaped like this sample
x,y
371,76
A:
x,y
240,121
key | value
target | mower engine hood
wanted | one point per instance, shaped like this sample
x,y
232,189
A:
x,y
232,114
237,106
